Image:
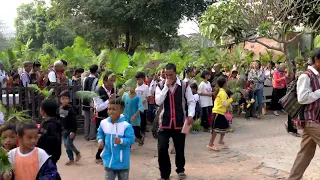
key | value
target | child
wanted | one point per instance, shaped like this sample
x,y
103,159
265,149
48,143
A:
x,y
205,93
250,105
69,123
50,130
132,111
9,137
115,136
76,78
194,89
143,91
30,162
220,123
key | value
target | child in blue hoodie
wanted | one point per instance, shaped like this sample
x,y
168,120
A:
x,y
115,136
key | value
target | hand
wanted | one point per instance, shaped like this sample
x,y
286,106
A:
x,y
72,135
190,120
117,140
7,176
232,97
169,82
133,119
100,145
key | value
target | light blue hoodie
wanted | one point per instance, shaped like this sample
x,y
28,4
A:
x,y
116,156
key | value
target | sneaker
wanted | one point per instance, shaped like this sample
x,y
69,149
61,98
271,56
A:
x,y
276,113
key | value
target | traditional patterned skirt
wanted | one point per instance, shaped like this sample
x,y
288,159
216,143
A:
x,y
220,123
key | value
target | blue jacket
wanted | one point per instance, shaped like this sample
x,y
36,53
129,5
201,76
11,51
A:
x,y
131,106
116,156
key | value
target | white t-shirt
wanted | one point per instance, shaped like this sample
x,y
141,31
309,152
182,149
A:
x,y
196,97
52,77
144,92
205,101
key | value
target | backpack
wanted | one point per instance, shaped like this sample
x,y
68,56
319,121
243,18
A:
x,y
290,102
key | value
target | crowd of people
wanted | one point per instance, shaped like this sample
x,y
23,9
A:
x,y
164,100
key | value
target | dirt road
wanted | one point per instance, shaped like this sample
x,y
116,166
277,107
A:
x,y
258,149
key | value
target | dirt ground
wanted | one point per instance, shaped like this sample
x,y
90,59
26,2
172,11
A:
x,y
258,150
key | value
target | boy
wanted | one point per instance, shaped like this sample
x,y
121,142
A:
x,y
250,102
143,91
30,162
8,136
69,123
50,130
115,136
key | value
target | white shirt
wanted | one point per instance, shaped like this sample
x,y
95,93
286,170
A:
x,y
144,92
3,76
99,104
205,88
52,77
196,98
153,86
269,75
304,91
162,94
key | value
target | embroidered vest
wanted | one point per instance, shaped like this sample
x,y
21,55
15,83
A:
x,y
312,111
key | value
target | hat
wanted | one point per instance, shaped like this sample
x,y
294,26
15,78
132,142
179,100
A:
x,y
65,93
234,69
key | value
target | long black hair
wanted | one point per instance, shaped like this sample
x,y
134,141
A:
x,y
186,71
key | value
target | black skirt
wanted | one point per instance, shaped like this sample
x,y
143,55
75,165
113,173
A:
x,y
277,94
220,123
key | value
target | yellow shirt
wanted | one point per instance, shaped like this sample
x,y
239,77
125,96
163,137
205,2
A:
x,y
222,102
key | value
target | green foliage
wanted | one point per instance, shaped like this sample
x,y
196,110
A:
x,y
196,125
11,114
5,165
221,20
44,92
316,42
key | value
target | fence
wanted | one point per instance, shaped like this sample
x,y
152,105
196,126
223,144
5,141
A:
x,y
26,98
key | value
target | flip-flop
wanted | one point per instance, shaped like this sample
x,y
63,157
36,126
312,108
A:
x,y
213,148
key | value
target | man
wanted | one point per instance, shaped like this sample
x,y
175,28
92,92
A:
x,y
90,83
35,73
25,76
53,78
172,96
216,72
308,93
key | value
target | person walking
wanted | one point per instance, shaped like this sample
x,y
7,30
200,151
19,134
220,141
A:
x,y
173,95
279,88
308,93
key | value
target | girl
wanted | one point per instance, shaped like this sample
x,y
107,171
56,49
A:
x,y
132,109
205,93
220,124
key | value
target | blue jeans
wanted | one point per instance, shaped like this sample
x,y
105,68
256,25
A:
x,y
259,98
121,174
68,144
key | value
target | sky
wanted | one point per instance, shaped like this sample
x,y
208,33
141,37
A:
x,y
8,12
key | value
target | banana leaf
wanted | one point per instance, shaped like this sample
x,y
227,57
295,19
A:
x,y
11,114
118,61
234,86
129,84
5,166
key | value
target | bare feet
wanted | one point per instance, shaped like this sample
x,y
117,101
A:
x,y
78,157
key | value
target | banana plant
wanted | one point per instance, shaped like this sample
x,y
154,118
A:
x,y
5,165
44,92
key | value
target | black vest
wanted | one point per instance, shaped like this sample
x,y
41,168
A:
x,y
104,96
173,112
87,86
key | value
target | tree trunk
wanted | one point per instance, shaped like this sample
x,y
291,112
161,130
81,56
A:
x,y
127,43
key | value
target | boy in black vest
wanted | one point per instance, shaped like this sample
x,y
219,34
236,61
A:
x,y
173,97
106,92
90,83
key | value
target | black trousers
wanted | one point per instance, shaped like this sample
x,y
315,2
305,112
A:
x,y
277,94
206,111
143,124
137,131
290,127
98,154
163,154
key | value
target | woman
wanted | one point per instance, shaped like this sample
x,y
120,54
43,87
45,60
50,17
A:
x,y
279,88
257,76
268,72
188,74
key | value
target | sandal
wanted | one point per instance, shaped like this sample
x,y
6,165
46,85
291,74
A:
x,y
224,146
213,148
182,176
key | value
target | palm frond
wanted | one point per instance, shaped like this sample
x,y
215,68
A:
x,y
45,92
86,95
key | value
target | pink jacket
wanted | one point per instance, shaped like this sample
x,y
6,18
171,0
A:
x,y
279,79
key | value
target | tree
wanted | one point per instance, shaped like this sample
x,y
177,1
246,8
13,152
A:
x,y
129,23
3,39
273,19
